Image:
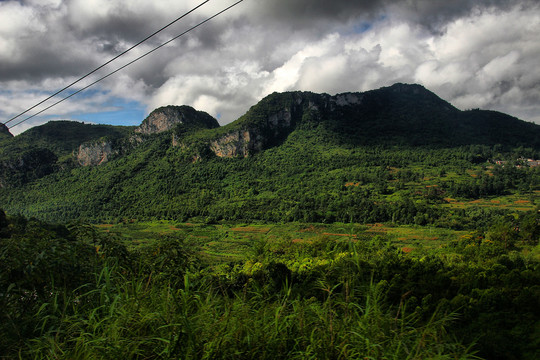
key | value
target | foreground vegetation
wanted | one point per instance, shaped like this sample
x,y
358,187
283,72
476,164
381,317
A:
x,y
81,293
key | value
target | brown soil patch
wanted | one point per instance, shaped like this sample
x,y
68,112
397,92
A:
x,y
311,228
377,228
251,229
521,202
331,234
407,249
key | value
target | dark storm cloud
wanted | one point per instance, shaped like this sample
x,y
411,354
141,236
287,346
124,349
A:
x,y
435,14
432,14
472,53
309,12
40,60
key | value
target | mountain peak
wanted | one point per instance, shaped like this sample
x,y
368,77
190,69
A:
x,y
167,117
403,87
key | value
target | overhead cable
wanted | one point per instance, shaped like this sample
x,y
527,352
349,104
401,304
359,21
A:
x,y
131,62
108,62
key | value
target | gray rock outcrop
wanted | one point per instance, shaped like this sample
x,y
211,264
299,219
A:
x,y
95,153
167,117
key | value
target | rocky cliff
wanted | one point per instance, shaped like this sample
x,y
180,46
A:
x,y
270,122
95,153
168,117
237,143
264,125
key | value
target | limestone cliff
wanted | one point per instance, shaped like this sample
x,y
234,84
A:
x,y
95,153
237,143
168,117
264,125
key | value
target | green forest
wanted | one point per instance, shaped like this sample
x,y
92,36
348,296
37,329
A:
x,y
392,226
256,291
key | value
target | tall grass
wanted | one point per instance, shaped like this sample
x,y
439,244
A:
x,y
139,317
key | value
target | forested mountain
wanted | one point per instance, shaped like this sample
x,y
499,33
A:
x,y
63,137
45,149
292,156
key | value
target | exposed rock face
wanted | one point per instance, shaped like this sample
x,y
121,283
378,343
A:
x,y
347,99
266,127
166,118
4,131
95,153
238,143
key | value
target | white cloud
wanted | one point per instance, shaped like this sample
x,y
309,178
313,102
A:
x,y
470,54
486,60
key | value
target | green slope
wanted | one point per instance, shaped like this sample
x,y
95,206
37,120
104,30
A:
x,y
44,149
60,137
4,132
403,149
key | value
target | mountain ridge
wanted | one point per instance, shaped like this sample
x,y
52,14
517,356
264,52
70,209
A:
x,y
398,115
279,113
294,156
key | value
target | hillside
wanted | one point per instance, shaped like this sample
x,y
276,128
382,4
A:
x,y
293,156
4,132
397,115
45,149
61,137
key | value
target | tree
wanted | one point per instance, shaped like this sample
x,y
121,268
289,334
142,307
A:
x,y
529,227
3,219
504,232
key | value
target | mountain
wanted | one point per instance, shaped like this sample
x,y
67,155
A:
x,y
292,156
63,137
44,149
397,115
184,117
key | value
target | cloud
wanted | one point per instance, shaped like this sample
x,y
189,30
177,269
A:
x,y
479,62
471,53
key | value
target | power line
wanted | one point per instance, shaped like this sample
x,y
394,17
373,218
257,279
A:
x,y
108,62
129,63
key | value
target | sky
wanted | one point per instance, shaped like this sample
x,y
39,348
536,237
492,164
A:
x,y
472,53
